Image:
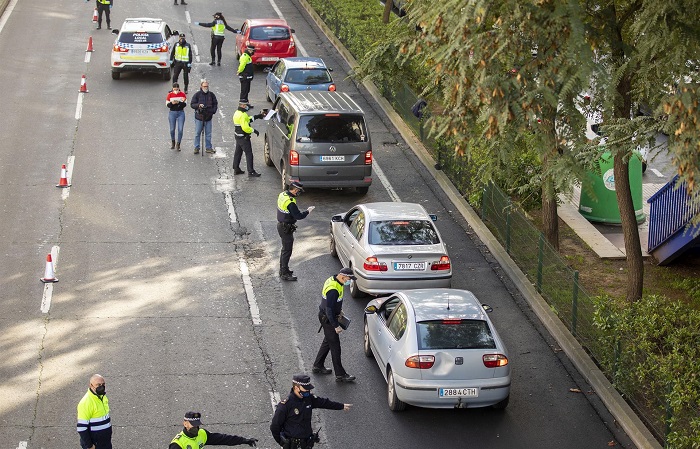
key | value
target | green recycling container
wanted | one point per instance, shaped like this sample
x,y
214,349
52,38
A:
x,y
600,205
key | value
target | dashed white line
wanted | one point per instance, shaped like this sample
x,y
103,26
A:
x,y
229,205
248,286
48,287
657,173
274,399
69,173
79,107
385,182
88,55
22,445
196,52
187,16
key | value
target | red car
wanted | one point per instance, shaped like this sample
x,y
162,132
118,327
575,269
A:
x,y
272,39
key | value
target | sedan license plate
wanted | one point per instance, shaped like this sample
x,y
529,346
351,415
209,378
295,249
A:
x,y
409,266
332,158
459,392
139,52
269,58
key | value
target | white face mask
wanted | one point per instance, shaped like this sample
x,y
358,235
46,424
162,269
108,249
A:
x,y
205,89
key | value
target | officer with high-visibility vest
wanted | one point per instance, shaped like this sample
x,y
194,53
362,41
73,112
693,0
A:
x,y
94,424
242,131
245,71
287,215
329,312
104,6
218,28
181,60
192,436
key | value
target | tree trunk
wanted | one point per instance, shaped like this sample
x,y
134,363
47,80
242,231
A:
x,y
550,218
387,10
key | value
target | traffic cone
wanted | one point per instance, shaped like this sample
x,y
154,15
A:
x,y
83,85
63,182
94,16
49,275
89,47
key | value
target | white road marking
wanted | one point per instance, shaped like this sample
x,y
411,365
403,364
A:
x,y
657,173
302,50
69,174
22,445
79,107
88,55
274,399
187,16
277,10
48,287
196,52
229,205
385,182
6,15
248,285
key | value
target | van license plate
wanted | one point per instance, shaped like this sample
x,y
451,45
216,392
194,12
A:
x,y
459,392
332,158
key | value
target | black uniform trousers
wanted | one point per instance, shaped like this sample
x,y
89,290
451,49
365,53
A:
x,y
331,342
179,66
245,87
216,43
287,245
101,7
243,146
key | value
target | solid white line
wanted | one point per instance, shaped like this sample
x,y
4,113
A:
x,y
22,445
301,48
69,174
79,107
277,10
385,182
48,287
250,295
274,400
657,173
88,55
229,205
6,15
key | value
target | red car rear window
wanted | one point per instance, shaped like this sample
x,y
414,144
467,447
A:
x,y
269,33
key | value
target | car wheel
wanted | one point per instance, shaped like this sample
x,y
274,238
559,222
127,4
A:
x,y
355,291
644,166
503,404
266,154
115,75
367,346
166,74
283,170
362,190
333,249
395,404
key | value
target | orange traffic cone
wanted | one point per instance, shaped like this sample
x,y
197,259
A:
x,y
63,182
83,85
89,47
49,275
94,16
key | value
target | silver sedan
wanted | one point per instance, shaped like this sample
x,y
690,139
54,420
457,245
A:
x,y
390,247
437,348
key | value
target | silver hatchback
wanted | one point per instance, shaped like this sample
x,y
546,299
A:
x,y
437,348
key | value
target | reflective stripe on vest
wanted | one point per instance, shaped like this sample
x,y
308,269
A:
x,y
182,53
186,442
219,28
104,2
283,202
93,413
332,284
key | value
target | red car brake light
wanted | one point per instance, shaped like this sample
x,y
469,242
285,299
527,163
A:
x,y
293,157
284,88
331,88
420,361
372,264
442,264
494,360
368,157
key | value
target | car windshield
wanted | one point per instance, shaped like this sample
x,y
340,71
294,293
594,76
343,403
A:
x,y
307,76
332,128
141,38
402,232
455,334
269,33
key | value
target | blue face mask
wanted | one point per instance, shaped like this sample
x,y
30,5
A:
x,y
305,394
347,283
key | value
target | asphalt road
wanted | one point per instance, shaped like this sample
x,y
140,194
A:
x,y
154,249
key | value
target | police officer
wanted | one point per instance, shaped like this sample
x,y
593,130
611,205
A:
x,y
331,306
218,27
242,131
103,6
94,424
192,436
287,215
181,60
245,71
291,424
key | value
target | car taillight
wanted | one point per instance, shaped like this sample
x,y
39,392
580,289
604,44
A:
x,y
293,157
373,264
284,88
420,361
119,49
442,264
291,42
368,157
162,49
331,88
494,360
247,42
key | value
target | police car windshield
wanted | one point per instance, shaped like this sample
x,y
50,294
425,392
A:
x,y
140,38
333,128
307,76
269,33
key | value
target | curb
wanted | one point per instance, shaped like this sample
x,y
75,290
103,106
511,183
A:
x,y
623,413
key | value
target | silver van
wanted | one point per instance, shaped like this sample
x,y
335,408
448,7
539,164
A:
x,y
319,139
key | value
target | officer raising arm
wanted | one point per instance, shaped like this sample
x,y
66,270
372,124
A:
x,y
218,27
192,436
287,215
291,424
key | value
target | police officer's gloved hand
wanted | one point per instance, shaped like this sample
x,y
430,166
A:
x,y
258,116
257,133
251,442
189,66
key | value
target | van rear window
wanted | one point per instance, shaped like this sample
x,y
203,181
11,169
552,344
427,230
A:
x,y
334,128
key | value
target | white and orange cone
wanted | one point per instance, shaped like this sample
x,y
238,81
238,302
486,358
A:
x,y
89,47
94,16
83,85
63,182
49,275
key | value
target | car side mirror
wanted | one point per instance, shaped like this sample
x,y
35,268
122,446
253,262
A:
x,y
337,218
115,32
329,69
292,30
267,69
175,33
369,310
433,217
487,308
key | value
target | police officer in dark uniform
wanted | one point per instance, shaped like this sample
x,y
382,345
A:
x,y
245,72
242,131
287,215
192,436
291,424
330,308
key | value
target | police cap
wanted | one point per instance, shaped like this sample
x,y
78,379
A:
x,y
303,381
194,418
347,272
182,34
296,185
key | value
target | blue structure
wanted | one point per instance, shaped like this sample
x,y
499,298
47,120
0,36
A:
x,y
671,211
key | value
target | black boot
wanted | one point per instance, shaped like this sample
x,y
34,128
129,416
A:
x,y
172,145
183,3
177,146
175,2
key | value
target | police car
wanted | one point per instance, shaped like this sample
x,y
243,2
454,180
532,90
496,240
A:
x,y
143,45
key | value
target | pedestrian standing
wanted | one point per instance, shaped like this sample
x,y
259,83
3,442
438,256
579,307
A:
x,y
330,309
242,131
104,6
94,425
218,28
181,60
205,106
245,72
176,101
291,424
192,436
287,215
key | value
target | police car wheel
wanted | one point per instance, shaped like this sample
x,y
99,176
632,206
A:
x,y
115,75
165,75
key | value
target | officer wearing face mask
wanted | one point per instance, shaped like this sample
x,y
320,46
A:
x,y
291,424
181,60
287,215
329,310
242,131
245,72
94,425
192,436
